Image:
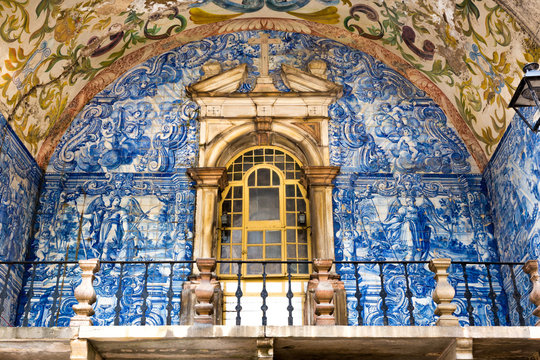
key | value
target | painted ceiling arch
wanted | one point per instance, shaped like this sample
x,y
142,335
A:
x,y
57,54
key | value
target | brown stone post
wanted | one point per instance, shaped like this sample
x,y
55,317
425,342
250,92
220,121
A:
x,y
319,182
531,268
85,294
443,293
209,181
324,293
204,291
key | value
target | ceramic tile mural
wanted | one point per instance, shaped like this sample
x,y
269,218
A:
x,y
471,49
512,178
116,187
19,183
413,217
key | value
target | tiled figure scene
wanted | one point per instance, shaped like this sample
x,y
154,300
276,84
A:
x,y
20,177
116,189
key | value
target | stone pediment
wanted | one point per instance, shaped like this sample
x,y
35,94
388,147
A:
x,y
222,84
301,81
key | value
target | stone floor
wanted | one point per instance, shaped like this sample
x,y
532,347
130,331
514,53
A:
x,y
295,342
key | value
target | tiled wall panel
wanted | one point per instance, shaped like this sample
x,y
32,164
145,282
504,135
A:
x,y
19,185
116,187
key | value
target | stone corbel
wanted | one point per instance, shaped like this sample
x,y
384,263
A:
x,y
263,128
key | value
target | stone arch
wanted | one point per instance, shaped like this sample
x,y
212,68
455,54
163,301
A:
x,y
370,47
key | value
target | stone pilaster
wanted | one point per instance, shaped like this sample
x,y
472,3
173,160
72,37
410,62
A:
x,y
443,293
209,181
85,294
319,182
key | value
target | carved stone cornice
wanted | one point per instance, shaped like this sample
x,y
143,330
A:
x,y
209,176
320,175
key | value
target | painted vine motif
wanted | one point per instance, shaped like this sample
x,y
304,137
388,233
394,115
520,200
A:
x,y
472,50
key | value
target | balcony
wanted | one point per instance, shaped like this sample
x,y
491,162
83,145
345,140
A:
x,y
291,310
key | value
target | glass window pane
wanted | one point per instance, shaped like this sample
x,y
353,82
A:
x,y
226,252
237,205
291,219
237,192
273,252
237,236
229,194
291,251
247,167
226,236
302,251
301,205
269,151
303,268
273,237
224,268
255,237
258,151
289,190
289,205
275,178
226,207
251,179
237,176
263,177
234,268
264,204
254,252
254,269
273,269
237,252
302,236
237,220
290,236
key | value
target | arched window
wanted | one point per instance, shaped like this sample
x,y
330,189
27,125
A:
x,y
264,213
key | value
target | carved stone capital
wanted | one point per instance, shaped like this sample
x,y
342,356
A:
x,y
85,294
531,268
320,175
443,293
209,176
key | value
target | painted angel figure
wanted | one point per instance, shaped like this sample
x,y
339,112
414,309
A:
x,y
409,225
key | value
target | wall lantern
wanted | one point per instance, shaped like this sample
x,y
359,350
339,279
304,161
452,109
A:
x,y
225,220
302,221
527,94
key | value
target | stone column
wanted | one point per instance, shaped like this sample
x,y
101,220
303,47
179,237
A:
x,y
443,293
531,268
209,181
85,294
319,182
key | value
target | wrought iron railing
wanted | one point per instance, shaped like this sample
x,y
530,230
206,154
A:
x,y
376,292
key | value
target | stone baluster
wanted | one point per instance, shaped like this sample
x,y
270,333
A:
x,y
531,268
324,293
85,294
443,293
204,291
